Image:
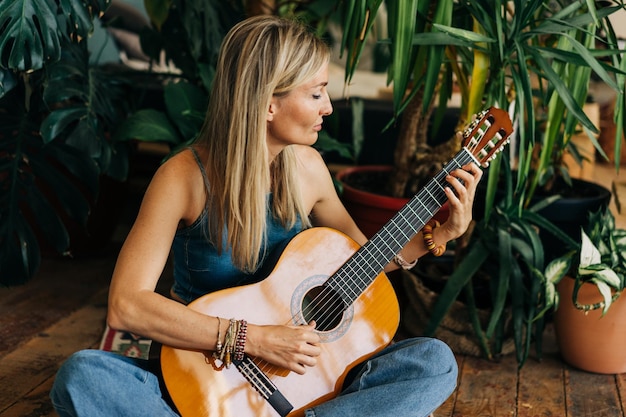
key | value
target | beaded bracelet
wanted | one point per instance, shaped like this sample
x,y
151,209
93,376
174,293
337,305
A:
x,y
240,342
427,234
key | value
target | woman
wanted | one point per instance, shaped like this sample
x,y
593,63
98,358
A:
x,y
210,205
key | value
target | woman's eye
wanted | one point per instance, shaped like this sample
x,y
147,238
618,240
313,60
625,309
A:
x,y
317,96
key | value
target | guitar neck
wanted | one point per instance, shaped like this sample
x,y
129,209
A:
x,y
369,261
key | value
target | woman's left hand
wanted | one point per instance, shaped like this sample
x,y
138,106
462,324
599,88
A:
x,y
461,193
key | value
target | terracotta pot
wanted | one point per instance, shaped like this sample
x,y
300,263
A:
x,y
587,340
371,211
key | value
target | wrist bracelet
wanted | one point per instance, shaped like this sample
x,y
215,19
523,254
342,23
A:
x,y
240,342
427,234
218,344
403,263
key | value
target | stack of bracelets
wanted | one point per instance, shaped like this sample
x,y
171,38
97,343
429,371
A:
x,y
234,341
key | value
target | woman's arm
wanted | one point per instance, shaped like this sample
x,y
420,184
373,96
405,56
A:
x,y
176,194
171,198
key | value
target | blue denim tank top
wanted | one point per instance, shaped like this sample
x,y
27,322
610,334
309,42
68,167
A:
x,y
199,269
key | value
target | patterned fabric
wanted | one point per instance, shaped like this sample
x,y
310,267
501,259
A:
x,y
125,344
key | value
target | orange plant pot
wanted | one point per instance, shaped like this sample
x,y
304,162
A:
x,y
371,211
587,340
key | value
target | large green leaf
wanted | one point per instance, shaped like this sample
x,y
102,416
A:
x,y
89,103
149,125
30,34
404,16
32,31
42,187
186,105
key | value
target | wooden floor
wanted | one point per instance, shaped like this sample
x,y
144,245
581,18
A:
x,y
62,309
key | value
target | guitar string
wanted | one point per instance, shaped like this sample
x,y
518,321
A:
x,y
256,377
351,275
366,255
321,302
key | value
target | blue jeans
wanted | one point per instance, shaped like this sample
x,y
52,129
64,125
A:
x,y
409,378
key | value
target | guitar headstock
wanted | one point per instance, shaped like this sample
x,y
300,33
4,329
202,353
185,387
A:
x,y
487,134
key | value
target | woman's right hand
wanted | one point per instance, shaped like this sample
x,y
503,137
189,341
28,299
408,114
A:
x,y
290,347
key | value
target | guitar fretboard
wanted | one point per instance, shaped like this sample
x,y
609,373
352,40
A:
x,y
352,278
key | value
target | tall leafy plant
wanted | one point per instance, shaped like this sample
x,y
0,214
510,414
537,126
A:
x,y
547,57
65,123
534,58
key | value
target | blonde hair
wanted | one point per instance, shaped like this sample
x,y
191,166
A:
x,y
260,57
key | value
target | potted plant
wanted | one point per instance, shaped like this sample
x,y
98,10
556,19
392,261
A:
x,y
584,288
56,116
533,58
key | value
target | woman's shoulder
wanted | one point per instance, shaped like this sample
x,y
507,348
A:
x,y
183,162
309,156
180,178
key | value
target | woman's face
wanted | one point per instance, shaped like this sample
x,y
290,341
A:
x,y
296,118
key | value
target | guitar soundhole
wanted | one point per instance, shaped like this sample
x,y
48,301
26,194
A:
x,y
323,305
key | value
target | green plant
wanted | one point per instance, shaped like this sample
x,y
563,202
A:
x,y
56,113
192,45
600,260
64,122
532,57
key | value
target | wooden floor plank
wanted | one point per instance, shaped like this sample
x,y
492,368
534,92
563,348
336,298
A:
x,y
34,404
60,287
488,388
621,390
541,392
25,370
591,395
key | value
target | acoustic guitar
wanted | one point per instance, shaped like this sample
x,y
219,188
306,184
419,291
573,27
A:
x,y
325,276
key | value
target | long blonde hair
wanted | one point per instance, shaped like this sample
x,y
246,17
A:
x,y
260,57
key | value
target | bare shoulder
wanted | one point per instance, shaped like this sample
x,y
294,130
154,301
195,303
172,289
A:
x,y
310,161
179,181
182,162
316,182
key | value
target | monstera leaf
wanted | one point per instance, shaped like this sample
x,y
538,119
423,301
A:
x,y
54,112
31,31
42,187
88,103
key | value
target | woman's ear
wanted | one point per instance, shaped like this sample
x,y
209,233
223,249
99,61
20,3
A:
x,y
271,111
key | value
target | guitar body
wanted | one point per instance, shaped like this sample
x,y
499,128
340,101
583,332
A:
x,y
358,332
